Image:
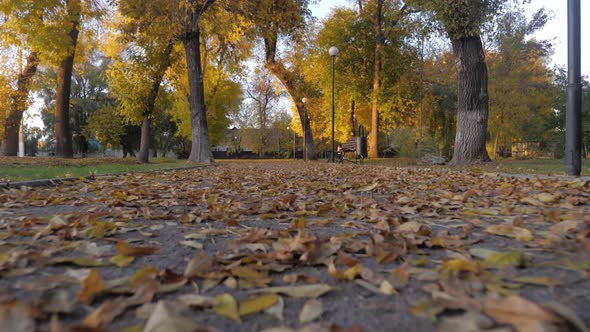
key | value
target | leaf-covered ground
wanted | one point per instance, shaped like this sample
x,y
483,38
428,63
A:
x,y
297,246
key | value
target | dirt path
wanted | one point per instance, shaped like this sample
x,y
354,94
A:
x,y
360,248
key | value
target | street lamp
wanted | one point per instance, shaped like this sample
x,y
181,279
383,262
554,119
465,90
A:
x,y
288,142
304,124
333,53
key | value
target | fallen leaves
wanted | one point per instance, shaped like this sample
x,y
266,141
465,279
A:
x,y
241,240
125,249
91,286
226,305
518,233
309,291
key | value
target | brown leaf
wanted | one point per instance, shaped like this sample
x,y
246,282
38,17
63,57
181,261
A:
x,y
91,286
199,265
515,310
399,277
125,249
165,319
311,291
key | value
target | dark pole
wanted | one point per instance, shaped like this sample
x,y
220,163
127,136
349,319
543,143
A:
x,y
573,120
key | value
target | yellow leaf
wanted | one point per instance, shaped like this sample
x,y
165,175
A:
x,y
226,305
254,305
547,198
349,274
503,259
122,261
458,265
142,275
91,286
515,232
543,281
311,311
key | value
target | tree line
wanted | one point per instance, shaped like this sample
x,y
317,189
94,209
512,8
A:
x,y
462,77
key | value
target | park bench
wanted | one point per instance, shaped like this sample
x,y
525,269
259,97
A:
x,y
354,145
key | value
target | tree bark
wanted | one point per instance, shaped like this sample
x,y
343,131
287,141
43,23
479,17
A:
x,y
472,111
379,43
18,104
201,146
63,134
294,84
144,147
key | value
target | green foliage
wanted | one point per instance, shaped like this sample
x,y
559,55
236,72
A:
x,y
222,96
520,91
461,18
44,26
107,126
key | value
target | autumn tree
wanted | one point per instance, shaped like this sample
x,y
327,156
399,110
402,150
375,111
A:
x,y
262,91
384,16
223,50
50,31
462,22
139,68
280,23
521,93
20,20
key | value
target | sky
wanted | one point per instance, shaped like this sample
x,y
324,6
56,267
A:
x,y
555,30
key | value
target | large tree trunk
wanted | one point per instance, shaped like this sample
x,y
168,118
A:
x,y
379,43
294,84
201,147
144,147
472,111
18,104
63,134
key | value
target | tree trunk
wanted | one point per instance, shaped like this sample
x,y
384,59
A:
x,y
295,86
63,134
472,111
379,43
201,147
144,147
18,103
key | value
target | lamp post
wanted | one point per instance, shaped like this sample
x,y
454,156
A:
x,y
304,125
573,120
333,53
288,142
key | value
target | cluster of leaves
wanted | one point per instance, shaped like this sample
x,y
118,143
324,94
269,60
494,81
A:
x,y
258,237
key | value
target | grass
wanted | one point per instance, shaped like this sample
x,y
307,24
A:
x,y
534,166
510,166
13,169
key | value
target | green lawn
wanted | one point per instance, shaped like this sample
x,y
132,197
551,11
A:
x,y
536,166
510,166
14,169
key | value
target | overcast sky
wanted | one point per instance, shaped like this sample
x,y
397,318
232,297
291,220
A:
x,y
555,30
